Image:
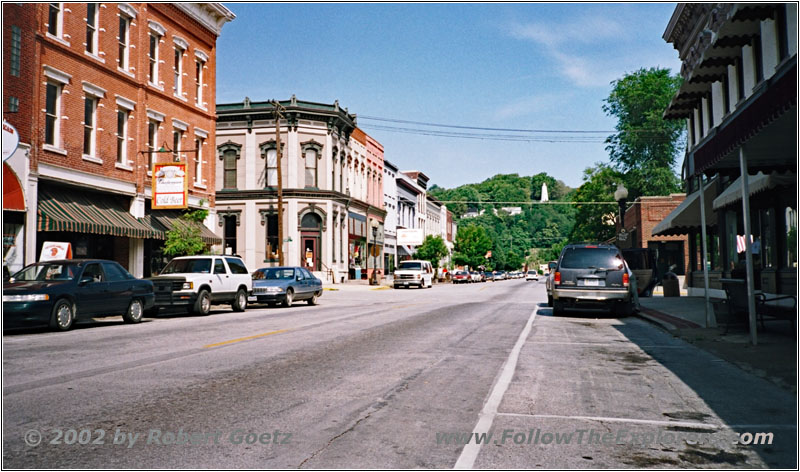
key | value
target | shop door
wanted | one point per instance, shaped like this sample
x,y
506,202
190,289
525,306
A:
x,y
310,254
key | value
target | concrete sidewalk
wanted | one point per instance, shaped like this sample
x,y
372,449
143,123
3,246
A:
x,y
774,358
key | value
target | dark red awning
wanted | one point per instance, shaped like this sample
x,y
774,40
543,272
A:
x,y
13,197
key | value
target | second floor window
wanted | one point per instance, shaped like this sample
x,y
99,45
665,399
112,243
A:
x,y
311,167
198,84
51,110
89,117
153,58
177,68
152,139
272,167
91,28
54,19
198,161
122,136
229,169
177,135
124,33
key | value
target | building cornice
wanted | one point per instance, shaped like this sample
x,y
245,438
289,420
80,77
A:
x,y
211,15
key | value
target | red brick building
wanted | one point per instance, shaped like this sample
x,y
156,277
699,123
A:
x,y
109,85
640,219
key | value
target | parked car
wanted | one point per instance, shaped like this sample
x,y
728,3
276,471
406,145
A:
x,y
285,285
411,273
548,281
532,275
195,282
57,293
461,277
594,276
499,275
477,277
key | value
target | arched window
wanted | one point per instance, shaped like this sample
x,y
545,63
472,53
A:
x,y
311,221
312,152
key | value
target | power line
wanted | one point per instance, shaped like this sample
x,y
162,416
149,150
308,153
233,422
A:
x,y
482,202
494,137
510,130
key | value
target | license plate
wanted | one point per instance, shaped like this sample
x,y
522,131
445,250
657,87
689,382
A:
x,y
405,283
591,282
252,299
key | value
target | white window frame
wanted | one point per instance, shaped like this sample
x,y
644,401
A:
x,y
92,49
92,152
200,137
94,93
199,65
59,20
156,118
177,71
126,41
56,144
122,158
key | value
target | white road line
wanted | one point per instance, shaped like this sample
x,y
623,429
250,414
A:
x,y
470,452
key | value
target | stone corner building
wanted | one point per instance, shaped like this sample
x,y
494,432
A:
x,y
332,179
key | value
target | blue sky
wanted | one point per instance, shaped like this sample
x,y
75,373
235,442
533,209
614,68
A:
x,y
522,66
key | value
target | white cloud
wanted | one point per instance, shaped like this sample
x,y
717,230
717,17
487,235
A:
x,y
585,30
537,104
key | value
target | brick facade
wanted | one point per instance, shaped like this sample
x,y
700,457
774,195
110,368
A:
x,y
647,212
93,60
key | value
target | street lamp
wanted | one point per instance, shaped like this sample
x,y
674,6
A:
x,y
621,195
373,280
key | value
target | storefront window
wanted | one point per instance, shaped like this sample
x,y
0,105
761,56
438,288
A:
x,y
13,240
791,237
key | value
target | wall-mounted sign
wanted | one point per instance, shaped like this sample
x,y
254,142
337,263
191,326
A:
x,y
52,251
10,140
170,186
410,237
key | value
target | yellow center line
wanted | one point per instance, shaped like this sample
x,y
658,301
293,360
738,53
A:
x,y
483,288
256,336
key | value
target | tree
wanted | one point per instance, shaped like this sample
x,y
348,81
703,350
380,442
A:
x,y
595,222
471,245
645,146
433,249
184,239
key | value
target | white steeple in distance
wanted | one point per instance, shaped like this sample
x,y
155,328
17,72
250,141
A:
x,y
544,193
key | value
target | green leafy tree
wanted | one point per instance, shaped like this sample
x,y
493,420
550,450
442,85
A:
x,y
432,249
471,245
595,222
184,239
646,146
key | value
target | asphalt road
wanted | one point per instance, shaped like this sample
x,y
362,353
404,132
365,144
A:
x,y
386,378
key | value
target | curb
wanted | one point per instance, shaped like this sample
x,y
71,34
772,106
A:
x,y
668,322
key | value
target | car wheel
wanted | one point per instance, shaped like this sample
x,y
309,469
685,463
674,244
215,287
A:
x,y
202,306
625,309
63,315
289,298
313,300
558,308
135,312
240,302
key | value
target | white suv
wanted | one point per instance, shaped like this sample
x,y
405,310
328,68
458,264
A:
x,y
195,282
414,273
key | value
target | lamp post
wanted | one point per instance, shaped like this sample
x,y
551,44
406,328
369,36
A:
x,y
621,195
373,280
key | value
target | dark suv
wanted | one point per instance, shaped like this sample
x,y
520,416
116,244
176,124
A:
x,y
594,276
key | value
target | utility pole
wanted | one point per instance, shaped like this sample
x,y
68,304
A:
x,y
278,115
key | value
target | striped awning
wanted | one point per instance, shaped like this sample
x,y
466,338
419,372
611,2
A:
x,y
164,220
61,209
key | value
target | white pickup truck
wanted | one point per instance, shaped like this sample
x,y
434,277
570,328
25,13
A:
x,y
195,282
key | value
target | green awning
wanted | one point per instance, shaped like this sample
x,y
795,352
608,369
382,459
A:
x,y
61,209
164,220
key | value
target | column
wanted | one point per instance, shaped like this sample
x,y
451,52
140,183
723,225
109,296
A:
x,y
136,245
293,149
247,226
32,199
292,249
251,159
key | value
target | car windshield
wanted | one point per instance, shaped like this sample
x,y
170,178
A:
x,y
531,272
274,274
410,266
188,266
48,271
591,258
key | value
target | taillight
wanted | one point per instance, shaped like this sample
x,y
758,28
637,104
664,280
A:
x,y
625,279
557,278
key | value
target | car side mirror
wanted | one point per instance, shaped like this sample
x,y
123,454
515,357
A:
x,y
85,280
298,278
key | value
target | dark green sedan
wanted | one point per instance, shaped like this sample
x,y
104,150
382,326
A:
x,y
57,293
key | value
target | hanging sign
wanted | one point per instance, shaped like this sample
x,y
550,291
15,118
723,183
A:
x,y
52,251
170,186
10,140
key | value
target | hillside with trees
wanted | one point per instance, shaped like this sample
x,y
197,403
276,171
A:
x,y
535,235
